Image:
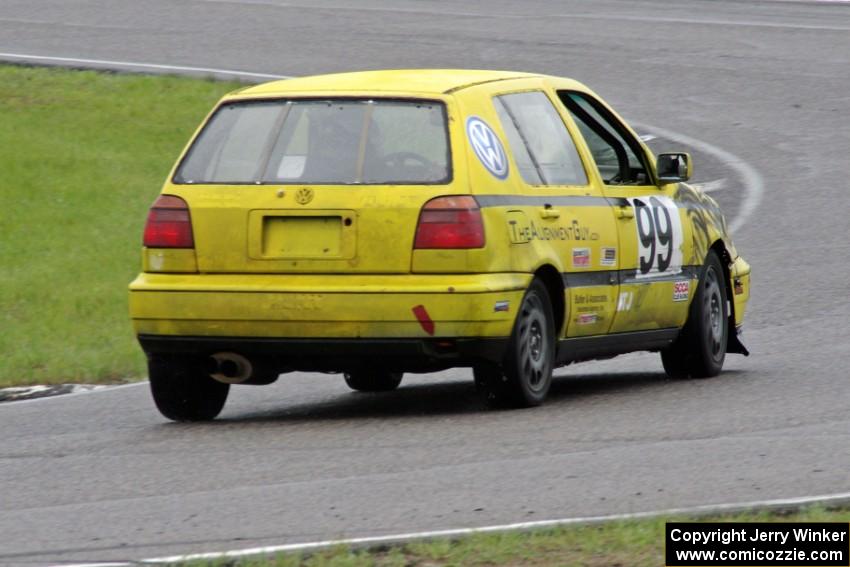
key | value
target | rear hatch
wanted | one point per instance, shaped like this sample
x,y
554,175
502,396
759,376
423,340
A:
x,y
314,185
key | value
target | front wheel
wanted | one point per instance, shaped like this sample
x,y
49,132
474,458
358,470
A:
x,y
373,381
182,391
525,375
700,350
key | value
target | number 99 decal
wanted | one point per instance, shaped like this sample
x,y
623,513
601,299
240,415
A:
x,y
659,236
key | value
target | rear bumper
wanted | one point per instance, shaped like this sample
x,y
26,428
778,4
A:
x,y
334,355
316,316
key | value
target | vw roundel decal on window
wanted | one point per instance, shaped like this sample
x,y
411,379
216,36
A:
x,y
487,147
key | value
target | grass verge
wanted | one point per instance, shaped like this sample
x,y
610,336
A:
x,y
610,544
82,154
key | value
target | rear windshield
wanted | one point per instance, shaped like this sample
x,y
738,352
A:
x,y
321,142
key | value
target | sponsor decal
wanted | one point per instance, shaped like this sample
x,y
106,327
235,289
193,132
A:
x,y
624,302
659,236
681,290
502,306
572,231
586,318
589,308
591,298
581,257
487,147
609,257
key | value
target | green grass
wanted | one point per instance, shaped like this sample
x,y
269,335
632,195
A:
x,y
82,156
628,544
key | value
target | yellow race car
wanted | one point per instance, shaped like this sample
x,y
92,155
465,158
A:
x,y
384,222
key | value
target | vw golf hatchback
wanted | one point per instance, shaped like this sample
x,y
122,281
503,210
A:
x,y
385,222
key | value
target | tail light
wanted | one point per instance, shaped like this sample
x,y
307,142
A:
x,y
169,224
450,222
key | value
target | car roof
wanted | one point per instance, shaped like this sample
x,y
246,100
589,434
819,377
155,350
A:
x,y
431,81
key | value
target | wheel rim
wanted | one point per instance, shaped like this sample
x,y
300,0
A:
x,y
714,309
533,344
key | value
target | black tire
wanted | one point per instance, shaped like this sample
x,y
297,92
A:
x,y
700,349
525,375
373,381
182,390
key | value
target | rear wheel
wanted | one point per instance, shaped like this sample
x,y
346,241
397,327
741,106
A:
x,y
182,390
525,375
373,380
700,350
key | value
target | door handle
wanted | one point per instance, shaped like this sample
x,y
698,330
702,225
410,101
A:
x,y
547,212
625,212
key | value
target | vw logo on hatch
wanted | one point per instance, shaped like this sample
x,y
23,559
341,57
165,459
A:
x,y
304,196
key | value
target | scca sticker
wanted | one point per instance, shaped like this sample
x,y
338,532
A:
x,y
487,147
681,290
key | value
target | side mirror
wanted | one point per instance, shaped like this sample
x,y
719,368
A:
x,y
673,168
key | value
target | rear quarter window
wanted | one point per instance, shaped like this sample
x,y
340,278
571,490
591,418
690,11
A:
x,y
540,142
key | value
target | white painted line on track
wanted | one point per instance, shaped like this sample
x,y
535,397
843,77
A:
x,y
459,532
752,181
132,65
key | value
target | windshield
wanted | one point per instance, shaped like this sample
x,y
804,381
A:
x,y
321,142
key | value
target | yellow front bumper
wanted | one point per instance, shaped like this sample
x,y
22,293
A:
x,y
326,306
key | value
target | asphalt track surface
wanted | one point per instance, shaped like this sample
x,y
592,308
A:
x,y
102,476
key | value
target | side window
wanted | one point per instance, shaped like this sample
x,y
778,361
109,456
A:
x,y
541,145
617,154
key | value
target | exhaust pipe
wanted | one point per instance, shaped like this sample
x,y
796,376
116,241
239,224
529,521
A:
x,y
230,368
